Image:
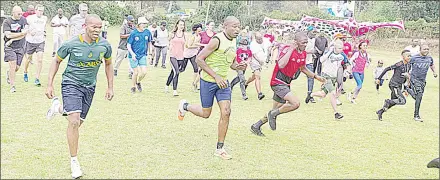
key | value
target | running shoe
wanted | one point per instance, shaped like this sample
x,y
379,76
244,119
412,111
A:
x,y
379,114
222,153
25,77
175,93
139,87
37,82
133,90
272,121
338,116
256,131
338,103
180,111
76,169
115,72
261,96
13,89
54,108
418,119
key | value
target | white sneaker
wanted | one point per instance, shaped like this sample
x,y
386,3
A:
x,y
180,111
175,93
166,89
76,169
54,108
338,103
349,96
222,153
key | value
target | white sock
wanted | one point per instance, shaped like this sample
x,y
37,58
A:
x,y
57,108
73,159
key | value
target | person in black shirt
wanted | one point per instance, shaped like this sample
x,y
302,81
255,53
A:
x,y
420,65
400,76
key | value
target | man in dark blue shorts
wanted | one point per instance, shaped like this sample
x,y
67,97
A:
x,y
86,53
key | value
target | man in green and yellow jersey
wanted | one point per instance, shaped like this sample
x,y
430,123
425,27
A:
x,y
215,60
86,53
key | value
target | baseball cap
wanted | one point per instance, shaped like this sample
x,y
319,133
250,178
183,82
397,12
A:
x,y
142,20
163,23
130,18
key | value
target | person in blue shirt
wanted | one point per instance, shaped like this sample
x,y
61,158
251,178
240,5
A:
x,y
137,45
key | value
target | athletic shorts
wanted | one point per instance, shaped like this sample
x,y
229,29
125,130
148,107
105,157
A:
x,y
279,92
77,99
330,84
32,48
209,90
14,55
139,62
255,65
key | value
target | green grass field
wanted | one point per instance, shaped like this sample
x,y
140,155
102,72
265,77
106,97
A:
x,y
139,136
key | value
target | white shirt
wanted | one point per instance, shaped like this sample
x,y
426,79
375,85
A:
x,y
258,51
331,64
310,47
413,50
60,21
37,27
162,38
76,22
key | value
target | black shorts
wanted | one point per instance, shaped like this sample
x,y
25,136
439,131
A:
x,y
32,48
77,99
14,55
418,86
279,91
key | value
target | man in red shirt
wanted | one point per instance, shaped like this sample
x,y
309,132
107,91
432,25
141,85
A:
x,y
347,47
292,61
29,11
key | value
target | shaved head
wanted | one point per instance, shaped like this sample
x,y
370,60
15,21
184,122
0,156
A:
x,y
92,17
230,19
93,26
231,26
16,12
258,37
301,40
300,35
17,9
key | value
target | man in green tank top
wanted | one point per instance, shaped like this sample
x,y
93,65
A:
x,y
86,53
215,60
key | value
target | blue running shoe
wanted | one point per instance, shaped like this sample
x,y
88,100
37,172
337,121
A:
x,y
26,78
37,82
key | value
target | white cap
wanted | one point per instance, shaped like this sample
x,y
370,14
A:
x,y
142,20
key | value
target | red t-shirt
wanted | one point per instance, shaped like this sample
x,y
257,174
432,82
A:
x,y
243,54
270,36
26,14
347,48
296,61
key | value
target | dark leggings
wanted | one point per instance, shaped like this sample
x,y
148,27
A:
x,y
416,91
397,97
177,66
193,63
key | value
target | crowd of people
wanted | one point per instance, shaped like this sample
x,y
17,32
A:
x,y
211,54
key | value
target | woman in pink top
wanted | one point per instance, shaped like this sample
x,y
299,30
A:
x,y
360,59
177,45
206,35
192,46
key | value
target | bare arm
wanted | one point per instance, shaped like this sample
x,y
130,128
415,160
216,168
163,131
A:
x,y
285,59
53,70
310,74
11,35
433,70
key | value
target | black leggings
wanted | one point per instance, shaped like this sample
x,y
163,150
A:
x,y
397,97
177,66
193,63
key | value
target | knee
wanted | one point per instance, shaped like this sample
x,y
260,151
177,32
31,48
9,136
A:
x,y
294,105
226,112
74,120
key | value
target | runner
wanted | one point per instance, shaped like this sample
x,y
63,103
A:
x,y
414,48
360,59
419,69
377,72
59,24
35,42
177,45
161,43
137,46
400,76
29,11
292,60
192,46
86,52
14,29
77,21
105,25
244,54
215,60
348,51
126,29
331,63
259,55
206,35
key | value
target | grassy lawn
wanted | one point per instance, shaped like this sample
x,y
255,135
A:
x,y
139,136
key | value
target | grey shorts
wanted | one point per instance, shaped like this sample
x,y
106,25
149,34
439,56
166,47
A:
x,y
255,66
279,91
32,48
14,55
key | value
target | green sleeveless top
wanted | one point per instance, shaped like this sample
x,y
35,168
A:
x,y
221,59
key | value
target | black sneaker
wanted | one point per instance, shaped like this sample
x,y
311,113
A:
x,y
272,121
342,91
256,131
261,96
308,98
130,75
133,90
115,72
338,116
163,66
155,65
139,87
53,54
379,114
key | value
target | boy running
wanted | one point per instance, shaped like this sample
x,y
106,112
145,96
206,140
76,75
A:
x,y
244,54
292,60
400,76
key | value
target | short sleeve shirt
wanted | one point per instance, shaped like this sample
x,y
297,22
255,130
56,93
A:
x,y
60,21
37,26
139,42
76,25
125,29
84,60
14,26
420,66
